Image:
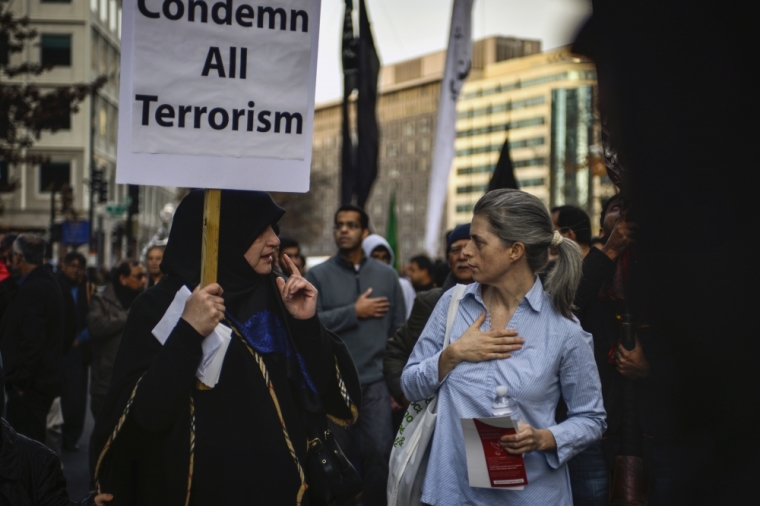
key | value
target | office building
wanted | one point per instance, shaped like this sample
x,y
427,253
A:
x,y
544,105
407,112
81,38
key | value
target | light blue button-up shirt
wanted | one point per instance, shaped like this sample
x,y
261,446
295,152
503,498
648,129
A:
x,y
556,359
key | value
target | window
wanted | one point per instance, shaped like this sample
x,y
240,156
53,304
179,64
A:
x,y
56,1
112,15
425,125
410,147
94,5
539,181
61,121
53,175
103,120
409,128
4,179
465,208
113,62
472,188
104,10
103,57
425,145
113,128
94,43
4,54
56,50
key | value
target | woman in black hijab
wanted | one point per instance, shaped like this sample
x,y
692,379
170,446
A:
x,y
164,438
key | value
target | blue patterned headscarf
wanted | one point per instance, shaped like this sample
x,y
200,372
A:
x,y
266,333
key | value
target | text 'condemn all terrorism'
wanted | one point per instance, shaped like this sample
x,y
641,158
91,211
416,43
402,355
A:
x,y
221,13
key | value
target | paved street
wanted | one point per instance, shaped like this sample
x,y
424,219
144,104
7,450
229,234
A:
x,y
75,466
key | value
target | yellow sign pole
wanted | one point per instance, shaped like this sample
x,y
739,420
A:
x,y
210,251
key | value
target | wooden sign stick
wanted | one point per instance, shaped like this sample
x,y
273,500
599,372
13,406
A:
x,y
212,202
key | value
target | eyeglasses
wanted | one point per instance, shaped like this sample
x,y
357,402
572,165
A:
x,y
351,225
139,275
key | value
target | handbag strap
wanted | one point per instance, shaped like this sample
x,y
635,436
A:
x,y
456,297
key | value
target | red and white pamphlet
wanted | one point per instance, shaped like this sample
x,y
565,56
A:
x,y
488,464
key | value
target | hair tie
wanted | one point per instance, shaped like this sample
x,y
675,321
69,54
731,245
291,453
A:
x,y
557,239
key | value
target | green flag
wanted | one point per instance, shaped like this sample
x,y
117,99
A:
x,y
391,230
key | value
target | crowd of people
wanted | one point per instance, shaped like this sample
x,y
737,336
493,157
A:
x,y
338,351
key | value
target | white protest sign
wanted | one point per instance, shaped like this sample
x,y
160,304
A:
x,y
218,94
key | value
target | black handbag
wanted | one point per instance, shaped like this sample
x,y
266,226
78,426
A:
x,y
332,477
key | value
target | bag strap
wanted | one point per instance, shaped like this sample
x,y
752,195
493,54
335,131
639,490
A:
x,y
456,296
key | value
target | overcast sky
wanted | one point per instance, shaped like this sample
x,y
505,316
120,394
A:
x,y
405,29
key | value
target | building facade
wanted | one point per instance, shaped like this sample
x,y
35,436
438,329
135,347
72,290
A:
x,y
544,105
81,38
407,112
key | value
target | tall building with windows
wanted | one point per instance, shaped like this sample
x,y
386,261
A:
x,y
544,105
81,39
407,113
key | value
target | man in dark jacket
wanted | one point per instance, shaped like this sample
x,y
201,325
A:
x,y
76,296
31,338
106,320
360,299
30,473
400,346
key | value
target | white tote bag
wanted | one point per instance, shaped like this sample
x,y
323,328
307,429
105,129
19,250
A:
x,y
411,448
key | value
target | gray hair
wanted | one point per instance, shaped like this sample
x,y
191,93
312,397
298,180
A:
x,y
516,216
31,247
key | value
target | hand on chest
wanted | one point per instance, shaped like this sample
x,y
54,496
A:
x,y
532,372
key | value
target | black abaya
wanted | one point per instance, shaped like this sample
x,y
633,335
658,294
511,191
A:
x,y
240,454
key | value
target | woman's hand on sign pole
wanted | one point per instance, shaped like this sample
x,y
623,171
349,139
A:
x,y
298,295
205,308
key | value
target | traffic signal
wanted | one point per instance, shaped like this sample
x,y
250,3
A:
x,y
99,186
134,199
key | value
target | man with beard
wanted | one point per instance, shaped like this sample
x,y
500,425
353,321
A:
x,y
360,299
76,347
106,321
31,338
400,346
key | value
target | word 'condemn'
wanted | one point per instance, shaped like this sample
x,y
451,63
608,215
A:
x,y
222,13
218,118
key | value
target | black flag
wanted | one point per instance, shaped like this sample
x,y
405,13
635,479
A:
x,y
504,173
368,133
361,67
350,71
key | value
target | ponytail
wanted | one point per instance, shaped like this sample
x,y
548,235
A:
x,y
562,282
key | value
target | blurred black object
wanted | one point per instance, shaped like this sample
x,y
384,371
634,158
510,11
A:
x,y
678,93
504,172
361,69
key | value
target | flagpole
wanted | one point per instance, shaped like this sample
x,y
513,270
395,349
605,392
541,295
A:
x,y
458,63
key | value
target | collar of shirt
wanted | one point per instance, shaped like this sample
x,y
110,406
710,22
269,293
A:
x,y
22,279
348,265
534,297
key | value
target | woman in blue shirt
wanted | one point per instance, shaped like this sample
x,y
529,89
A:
x,y
510,330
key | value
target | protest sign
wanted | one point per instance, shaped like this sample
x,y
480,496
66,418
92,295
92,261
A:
x,y
218,94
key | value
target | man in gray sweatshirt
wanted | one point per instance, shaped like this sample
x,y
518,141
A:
x,y
360,299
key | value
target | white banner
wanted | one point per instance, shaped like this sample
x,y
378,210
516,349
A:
x,y
218,94
458,64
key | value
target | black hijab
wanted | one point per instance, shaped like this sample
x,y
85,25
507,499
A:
x,y
244,216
